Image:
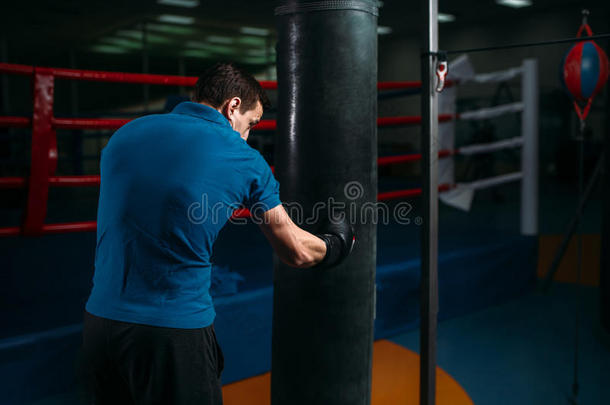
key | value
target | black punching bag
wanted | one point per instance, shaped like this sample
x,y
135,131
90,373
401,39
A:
x,y
326,155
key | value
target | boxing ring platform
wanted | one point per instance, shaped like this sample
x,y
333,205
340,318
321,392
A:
x,y
483,260
40,342
477,270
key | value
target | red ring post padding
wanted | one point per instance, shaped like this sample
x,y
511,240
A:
x,y
42,144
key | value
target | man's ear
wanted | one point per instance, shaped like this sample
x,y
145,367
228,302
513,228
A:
x,y
233,105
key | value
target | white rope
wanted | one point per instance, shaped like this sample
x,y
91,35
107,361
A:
x,y
493,181
491,112
491,147
494,77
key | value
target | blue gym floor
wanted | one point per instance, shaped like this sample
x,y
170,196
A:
x,y
499,338
522,352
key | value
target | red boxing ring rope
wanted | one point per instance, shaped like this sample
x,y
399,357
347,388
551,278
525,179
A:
x,y
15,122
44,143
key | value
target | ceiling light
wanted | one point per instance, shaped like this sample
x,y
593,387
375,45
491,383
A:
x,y
179,3
381,30
218,49
108,49
258,52
134,34
443,18
263,32
252,41
195,44
195,53
217,39
255,61
170,29
514,3
123,42
222,50
157,39
176,19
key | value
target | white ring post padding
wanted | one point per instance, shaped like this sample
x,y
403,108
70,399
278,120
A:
x,y
494,77
529,153
491,146
446,131
528,141
493,181
491,112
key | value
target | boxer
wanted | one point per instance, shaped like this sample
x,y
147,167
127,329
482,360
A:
x,y
148,330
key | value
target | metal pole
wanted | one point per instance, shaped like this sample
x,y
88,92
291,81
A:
x,y
573,225
581,169
529,152
429,253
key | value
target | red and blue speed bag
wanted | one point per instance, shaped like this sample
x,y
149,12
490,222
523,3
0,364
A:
x,y
584,70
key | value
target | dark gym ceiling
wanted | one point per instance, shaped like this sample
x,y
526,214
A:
x,y
35,31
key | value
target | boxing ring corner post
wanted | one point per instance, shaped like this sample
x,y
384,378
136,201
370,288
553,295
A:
x,y
429,235
529,157
43,151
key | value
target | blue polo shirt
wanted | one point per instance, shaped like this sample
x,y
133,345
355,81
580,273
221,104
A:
x,y
170,182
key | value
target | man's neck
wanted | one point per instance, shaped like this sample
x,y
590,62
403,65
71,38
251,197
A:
x,y
208,105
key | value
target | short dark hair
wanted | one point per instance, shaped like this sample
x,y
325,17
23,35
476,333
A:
x,y
224,81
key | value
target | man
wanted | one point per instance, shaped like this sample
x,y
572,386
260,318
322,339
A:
x,y
148,333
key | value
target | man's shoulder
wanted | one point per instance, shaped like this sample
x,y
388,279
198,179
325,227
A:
x,y
175,123
150,120
249,151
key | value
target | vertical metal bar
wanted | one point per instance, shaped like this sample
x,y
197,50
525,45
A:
x,y
42,145
573,225
529,152
581,179
429,262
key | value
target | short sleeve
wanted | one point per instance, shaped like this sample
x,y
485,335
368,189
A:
x,y
264,191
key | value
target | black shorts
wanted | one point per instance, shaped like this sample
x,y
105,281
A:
x,y
127,363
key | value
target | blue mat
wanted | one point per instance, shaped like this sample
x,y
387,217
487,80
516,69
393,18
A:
x,y
522,352
476,271
478,267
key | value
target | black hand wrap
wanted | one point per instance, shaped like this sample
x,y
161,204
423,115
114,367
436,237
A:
x,y
339,237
